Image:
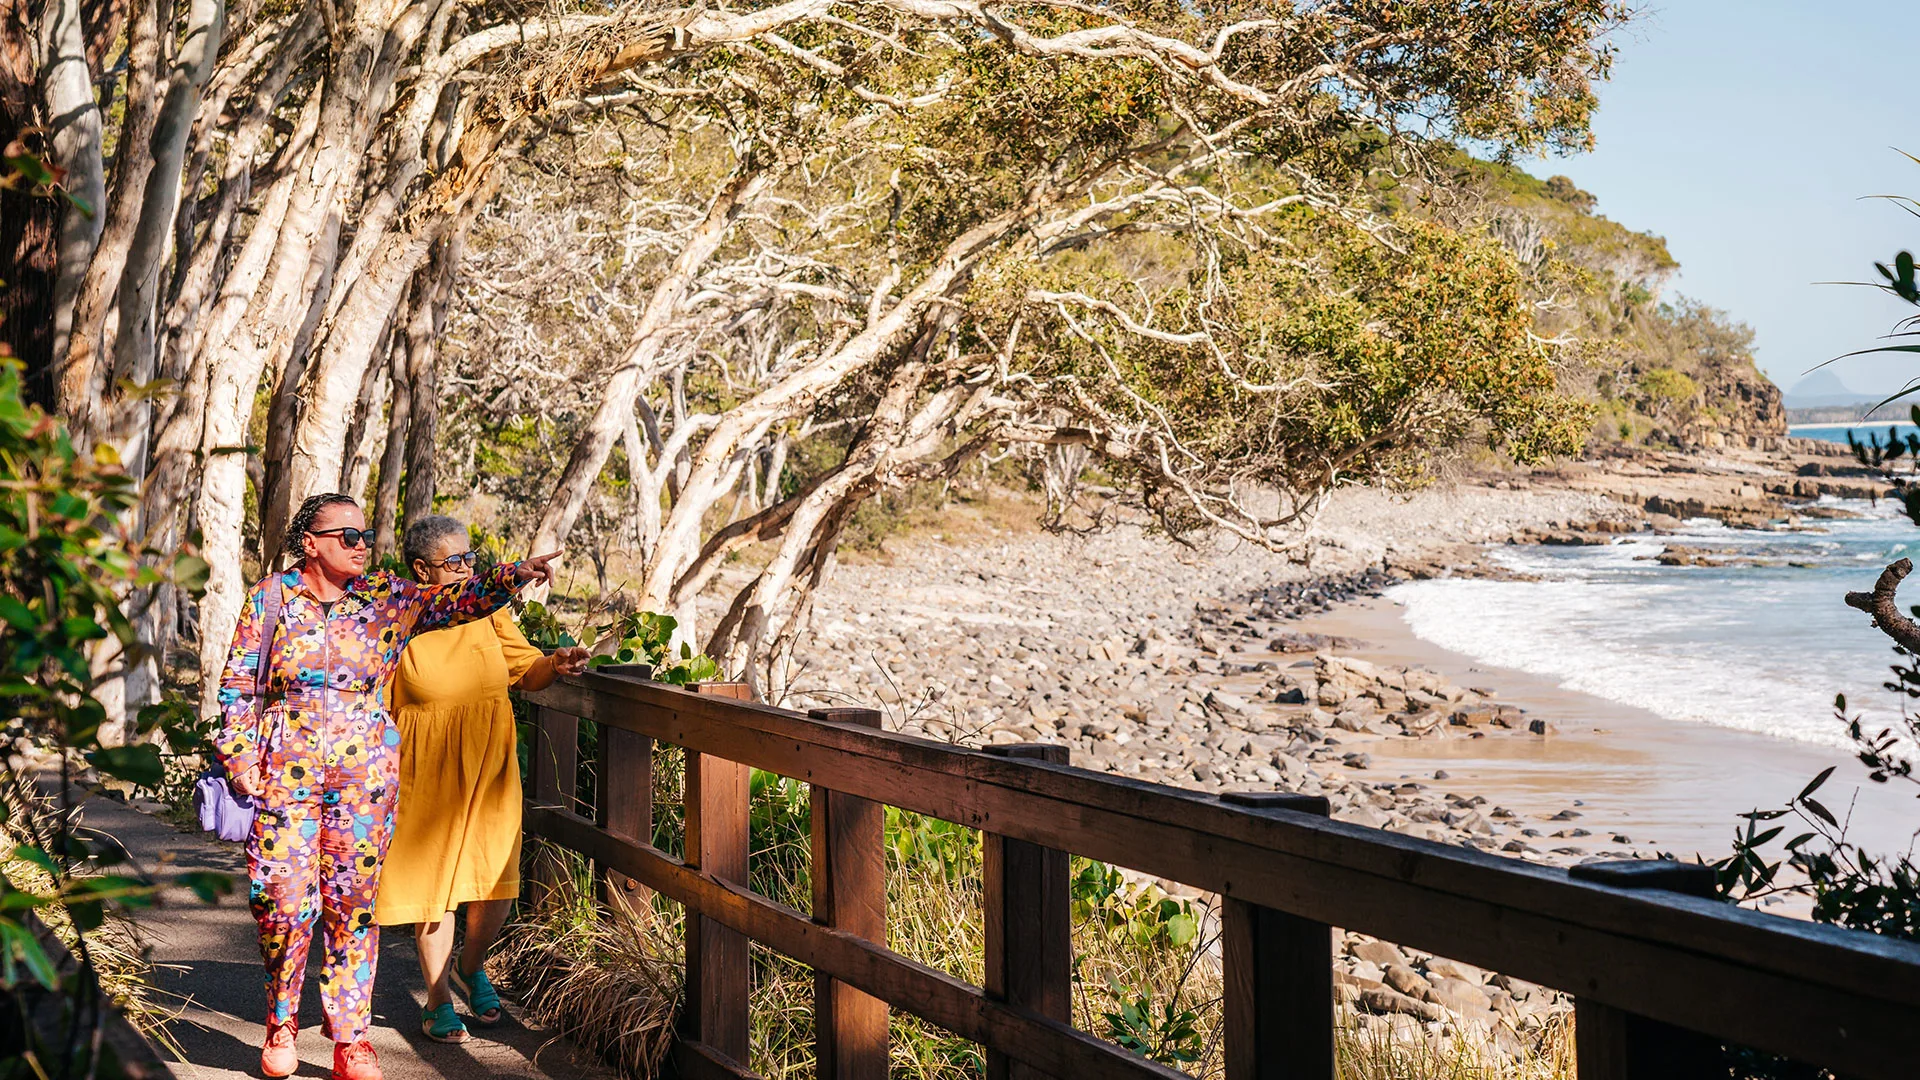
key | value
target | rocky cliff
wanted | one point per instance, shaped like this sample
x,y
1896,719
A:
x,y
1737,406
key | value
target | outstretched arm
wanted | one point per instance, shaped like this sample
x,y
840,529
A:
x,y
477,597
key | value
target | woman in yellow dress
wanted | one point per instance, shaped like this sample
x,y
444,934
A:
x,y
457,840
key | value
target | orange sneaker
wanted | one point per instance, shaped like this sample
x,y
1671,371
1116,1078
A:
x,y
278,1056
355,1061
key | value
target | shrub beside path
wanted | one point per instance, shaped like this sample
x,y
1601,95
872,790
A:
x,y
207,973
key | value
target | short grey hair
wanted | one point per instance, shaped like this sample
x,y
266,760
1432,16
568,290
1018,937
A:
x,y
425,536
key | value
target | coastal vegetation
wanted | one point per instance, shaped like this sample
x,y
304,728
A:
x,y
696,284
67,562
686,290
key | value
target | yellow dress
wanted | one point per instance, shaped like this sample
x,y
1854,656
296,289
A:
x,y
458,834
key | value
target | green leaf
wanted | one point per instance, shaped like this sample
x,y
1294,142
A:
x,y
206,885
1815,784
135,764
29,853
191,572
1182,928
18,615
87,915
17,943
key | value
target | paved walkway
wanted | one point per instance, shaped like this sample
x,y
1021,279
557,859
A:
x,y
208,969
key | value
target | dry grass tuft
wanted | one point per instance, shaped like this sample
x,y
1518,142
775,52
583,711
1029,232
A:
x,y
1364,1051
607,977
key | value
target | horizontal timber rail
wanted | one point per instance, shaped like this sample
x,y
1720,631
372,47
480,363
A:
x,y
1659,976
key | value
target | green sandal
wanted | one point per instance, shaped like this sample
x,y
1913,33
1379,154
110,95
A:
x,y
442,1024
482,1000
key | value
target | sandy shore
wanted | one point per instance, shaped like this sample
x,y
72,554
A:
x,y
1666,785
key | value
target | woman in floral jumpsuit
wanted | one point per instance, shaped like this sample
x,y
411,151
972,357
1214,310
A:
x,y
319,751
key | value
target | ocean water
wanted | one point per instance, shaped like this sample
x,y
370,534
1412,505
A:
x,y
1758,648
1838,432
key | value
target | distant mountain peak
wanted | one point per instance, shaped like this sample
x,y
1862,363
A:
x,y
1825,389
1823,382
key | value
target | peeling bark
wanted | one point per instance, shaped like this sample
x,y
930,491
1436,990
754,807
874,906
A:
x,y
84,369
66,85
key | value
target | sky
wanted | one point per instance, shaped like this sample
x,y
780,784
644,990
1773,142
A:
x,y
1746,133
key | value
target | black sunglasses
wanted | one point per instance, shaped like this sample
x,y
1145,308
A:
x,y
464,558
352,538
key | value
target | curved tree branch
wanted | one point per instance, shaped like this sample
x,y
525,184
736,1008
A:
x,y
1885,608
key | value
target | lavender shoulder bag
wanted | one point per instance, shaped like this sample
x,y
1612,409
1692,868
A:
x,y
223,811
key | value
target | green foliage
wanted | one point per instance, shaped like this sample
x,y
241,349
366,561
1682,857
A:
x,y
542,628
1881,454
1168,1035
914,841
1849,886
1364,360
1103,897
66,558
1667,385
643,637
646,637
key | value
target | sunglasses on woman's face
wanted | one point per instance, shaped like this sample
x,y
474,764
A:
x,y
462,560
352,538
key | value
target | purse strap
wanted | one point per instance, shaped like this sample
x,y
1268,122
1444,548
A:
x,y
270,632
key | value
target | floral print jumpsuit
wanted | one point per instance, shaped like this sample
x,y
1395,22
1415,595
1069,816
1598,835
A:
x,y
321,829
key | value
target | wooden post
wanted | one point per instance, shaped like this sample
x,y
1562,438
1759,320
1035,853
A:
x,y
554,754
556,757
626,803
849,893
1613,1044
1279,976
718,965
1029,948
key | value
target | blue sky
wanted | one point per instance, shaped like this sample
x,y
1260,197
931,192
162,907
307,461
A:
x,y
1746,133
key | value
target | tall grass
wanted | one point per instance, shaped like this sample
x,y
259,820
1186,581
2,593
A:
x,y
1146,971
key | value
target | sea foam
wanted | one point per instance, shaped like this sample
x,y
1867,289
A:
x,y
1760,648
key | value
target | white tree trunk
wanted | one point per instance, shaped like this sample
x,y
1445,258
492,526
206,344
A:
x,y
348,348
369,430
136,342
615,411
66,86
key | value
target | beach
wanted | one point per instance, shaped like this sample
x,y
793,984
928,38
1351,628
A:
x,y
1599,665
1673,787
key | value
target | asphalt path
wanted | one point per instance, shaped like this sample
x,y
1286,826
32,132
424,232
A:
x,y
207,972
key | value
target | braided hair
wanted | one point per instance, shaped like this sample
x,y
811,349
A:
x,y
303,520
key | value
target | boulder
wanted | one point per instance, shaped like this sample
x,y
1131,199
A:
x,y
1384,953
1222,701
1385,1001
1460,996
1420,723
1442,968
1408,981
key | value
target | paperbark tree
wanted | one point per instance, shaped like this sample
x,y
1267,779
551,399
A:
x,y
303,165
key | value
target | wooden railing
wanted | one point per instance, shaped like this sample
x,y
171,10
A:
x,y
1661,977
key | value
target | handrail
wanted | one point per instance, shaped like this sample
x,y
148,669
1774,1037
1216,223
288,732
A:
x,y
1814,993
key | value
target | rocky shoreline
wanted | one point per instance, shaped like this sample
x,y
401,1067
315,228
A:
x,y
1183,666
